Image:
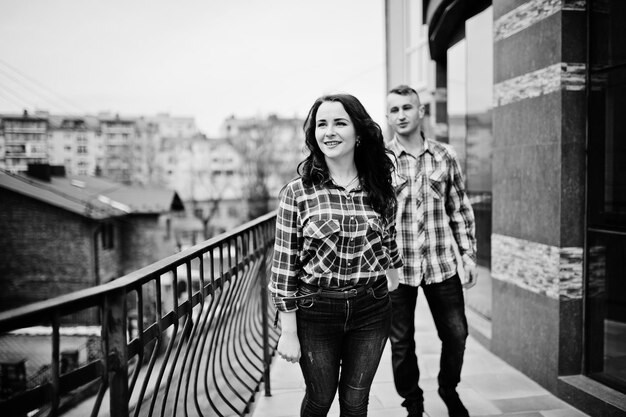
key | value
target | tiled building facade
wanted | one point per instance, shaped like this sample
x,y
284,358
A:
x,y
529,93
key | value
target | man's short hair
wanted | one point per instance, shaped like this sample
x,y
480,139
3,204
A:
x,y
403,90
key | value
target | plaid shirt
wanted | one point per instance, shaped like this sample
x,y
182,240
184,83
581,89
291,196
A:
x,y
329,237
434,214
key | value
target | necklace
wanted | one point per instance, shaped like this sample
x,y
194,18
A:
x,y
346,186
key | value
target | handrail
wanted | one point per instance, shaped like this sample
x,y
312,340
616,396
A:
x,y
187,335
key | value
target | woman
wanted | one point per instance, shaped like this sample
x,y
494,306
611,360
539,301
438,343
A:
x,y
335,257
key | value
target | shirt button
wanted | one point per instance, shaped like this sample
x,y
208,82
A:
x,y
349,264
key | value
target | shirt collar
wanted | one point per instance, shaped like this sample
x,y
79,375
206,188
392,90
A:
x,y
328,182
398,148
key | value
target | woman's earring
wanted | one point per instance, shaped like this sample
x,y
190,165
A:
x,y
358,141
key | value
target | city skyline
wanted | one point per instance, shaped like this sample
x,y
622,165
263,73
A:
x,y
206,60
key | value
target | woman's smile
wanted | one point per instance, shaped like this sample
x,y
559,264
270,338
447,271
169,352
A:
x,y
334,131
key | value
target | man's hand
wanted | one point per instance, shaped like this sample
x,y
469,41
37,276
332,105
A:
x,y
471,275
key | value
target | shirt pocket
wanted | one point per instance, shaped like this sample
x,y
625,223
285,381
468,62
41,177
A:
x,y
401,187
374,255
437,183
320,245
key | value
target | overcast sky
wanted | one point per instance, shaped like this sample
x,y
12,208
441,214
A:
x,y
202,58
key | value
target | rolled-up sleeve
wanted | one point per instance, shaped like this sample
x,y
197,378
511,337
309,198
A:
x,y
284,277
461,215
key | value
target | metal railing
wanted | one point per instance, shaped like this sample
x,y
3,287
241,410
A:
x,y
188,335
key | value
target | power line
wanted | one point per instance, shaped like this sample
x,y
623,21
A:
x,y
40,85
26,91
20,101
53,94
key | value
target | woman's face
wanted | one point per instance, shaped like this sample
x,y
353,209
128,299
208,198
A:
x,y
334,132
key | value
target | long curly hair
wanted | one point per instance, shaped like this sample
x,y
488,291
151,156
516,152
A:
x,y
372,159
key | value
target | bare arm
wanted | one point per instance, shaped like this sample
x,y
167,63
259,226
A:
x,y
288,343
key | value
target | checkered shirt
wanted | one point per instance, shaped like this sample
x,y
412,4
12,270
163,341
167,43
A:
x,y
329,237
434,213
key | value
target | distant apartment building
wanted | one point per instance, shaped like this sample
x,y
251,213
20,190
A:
x,y
118,135
119,148
143,152
208,174
173,126
25,140
226,180
76,143
272,148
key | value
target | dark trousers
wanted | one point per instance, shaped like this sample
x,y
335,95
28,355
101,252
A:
x,y
341,343
447,306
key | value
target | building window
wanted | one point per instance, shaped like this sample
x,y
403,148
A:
x,y
108,238
417,57
605,251
469,107
15,150
81,149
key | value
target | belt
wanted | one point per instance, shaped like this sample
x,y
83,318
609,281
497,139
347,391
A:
x,y
335,294
340,294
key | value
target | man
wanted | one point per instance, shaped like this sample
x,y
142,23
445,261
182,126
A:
x,y
434,219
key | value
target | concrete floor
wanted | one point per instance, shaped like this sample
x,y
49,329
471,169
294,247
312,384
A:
x,y
489,386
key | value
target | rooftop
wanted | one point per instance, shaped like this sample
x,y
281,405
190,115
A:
x,y
93,197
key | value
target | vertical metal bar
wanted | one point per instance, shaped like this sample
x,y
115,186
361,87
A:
x,y
263,294
189,300
139,292
56,371
115,308
157,349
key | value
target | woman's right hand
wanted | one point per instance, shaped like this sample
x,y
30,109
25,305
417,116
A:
x,y
393,279
289,346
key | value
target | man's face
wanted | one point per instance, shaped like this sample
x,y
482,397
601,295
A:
x,y
404,113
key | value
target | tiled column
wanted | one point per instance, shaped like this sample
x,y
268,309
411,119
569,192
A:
x,y
440,102
538,185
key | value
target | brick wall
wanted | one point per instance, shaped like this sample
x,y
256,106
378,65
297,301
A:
x,y
47,251
144,241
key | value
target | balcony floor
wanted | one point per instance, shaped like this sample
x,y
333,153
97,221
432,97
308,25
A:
x,y
489,386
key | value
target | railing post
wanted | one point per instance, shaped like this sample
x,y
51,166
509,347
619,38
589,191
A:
x,y
266,338
116,351
56,343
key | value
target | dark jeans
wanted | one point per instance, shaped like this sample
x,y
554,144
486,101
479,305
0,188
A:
x,y
339,334
447,306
